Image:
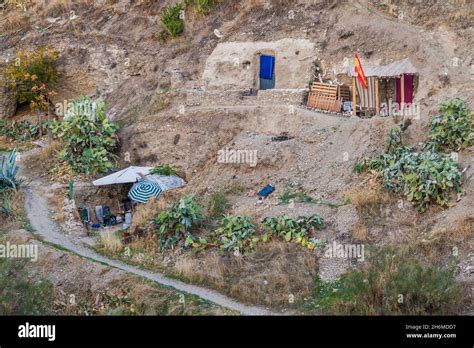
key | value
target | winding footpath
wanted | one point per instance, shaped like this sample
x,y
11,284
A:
x,y
39,215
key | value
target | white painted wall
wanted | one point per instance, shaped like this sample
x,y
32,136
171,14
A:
x,y
236,64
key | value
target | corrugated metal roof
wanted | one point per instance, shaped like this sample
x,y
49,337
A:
x,y
394,69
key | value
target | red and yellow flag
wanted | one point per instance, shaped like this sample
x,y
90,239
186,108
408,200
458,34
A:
x,y
360,72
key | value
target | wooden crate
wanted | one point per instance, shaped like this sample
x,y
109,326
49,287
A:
x,y
324,102
344,93
325,96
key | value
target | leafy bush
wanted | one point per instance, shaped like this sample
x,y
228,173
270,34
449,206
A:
x,y
89,137
395,138
172,21
218,204
453,128
175,223
293,230
165,169
376,289
32,75
236,234
22,131
423,177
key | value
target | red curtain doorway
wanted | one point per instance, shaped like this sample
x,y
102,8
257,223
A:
x,y
408,82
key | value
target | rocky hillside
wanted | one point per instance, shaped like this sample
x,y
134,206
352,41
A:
x,y
115,50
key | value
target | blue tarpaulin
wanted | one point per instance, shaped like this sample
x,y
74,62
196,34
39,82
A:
x,y
266,67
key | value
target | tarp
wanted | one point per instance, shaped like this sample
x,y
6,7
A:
x,y
127,175
167,182
366,96
394,69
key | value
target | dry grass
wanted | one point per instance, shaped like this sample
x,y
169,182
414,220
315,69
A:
x,y
146,244
366,198
57,203
274,275
360,232
49,153
16,207
16,19
212,270
62,172
56,8
145,212
110,242
441,243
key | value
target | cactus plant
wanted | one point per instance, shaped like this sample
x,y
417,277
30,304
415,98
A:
x,y
8,172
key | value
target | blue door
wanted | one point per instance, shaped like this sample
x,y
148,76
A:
x,y
267,72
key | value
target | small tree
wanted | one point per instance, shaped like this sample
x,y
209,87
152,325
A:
x,y
32,75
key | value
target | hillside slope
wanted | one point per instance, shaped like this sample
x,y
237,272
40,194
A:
x,y
113,51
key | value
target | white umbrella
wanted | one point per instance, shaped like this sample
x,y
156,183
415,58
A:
x,y
127,175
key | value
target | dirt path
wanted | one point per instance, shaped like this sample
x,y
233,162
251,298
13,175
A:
x,y
39,215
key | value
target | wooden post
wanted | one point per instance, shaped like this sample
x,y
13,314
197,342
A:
x,y
402,92
377,105
353,97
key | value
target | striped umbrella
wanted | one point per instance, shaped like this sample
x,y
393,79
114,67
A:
x,y
143,190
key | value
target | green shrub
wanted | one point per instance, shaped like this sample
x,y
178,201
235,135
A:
x,y
218,204
293,230
236,233
172,21
165,169
202,6
22,131
423,177
175,224
377,289
453,128
89,137
32,74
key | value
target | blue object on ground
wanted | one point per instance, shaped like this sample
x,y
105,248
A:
x,y
266,191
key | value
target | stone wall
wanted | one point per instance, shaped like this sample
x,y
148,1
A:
x,y
238,97
236,64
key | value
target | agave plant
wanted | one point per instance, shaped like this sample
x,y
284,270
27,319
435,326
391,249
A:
x,y
8,172
8,181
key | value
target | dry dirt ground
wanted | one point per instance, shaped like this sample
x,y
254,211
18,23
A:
x,y
84,287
